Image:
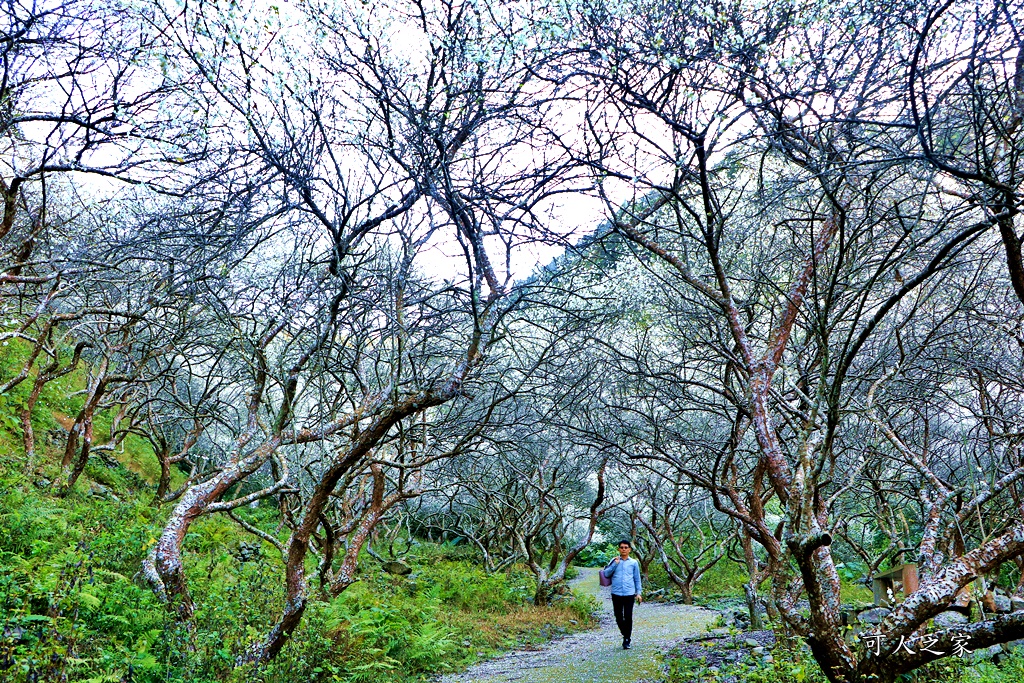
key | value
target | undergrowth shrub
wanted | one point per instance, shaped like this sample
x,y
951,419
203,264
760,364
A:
x,y
596,555
1009,670
796,665
73,607
386,629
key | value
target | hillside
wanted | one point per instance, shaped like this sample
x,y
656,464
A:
x,y
75,607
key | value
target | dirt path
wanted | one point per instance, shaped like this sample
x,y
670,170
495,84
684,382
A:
x,y
596,656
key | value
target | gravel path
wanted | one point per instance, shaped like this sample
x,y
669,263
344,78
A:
x,y
597,656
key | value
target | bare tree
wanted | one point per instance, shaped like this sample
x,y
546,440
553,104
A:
x,y
760,187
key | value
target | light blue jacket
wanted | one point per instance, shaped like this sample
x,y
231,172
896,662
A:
x,y
625,576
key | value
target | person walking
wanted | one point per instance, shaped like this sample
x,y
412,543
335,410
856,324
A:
x,y
625,575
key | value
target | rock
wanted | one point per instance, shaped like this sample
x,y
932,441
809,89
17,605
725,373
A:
x,y
1017,603
467,643
873,616
15,633
949,619
1013,645
758,650
768,659
750,642
573,622
249,552
396,567
735,615
97,490
987,653
44,483
1003,604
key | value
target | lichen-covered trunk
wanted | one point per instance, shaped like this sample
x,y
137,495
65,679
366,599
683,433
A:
x,y
753,579
28,434
296,585
164,484
163,566
686,590
545,589
750,595
821,581
83,453
82,430
346,574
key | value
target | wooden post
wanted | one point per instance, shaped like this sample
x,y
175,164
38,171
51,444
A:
x,y
880,586
910,582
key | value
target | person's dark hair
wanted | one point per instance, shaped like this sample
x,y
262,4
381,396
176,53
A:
x,y
626,542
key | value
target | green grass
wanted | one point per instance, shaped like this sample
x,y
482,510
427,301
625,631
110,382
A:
x,y
72,606
69,591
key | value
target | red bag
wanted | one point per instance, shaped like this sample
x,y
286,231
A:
x,y
605,581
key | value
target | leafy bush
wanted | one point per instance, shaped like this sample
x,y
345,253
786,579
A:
x,y
469,588
585,605
596,555
73,606
1009,670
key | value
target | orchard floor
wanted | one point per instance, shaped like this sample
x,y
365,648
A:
x,y
597,656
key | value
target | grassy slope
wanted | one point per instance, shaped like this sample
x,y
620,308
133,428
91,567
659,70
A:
x,y
71,602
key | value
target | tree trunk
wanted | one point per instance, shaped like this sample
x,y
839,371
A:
x,y
163,457
83,454
753,576
28,434
542,596
750,593
163,567
296,586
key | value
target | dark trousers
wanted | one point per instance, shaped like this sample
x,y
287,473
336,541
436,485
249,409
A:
x,y
623,607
